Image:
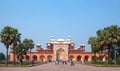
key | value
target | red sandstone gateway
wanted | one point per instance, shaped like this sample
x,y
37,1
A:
x,y
59,49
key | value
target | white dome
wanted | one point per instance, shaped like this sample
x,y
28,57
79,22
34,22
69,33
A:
x,y
82,44
60,40
38,44
68,39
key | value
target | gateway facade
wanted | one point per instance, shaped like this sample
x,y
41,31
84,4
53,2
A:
x,y
59,49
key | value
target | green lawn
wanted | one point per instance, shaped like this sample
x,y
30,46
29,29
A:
x,y
17,64
103,64
109,65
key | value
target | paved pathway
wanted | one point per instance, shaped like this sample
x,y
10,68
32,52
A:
x,y
60,67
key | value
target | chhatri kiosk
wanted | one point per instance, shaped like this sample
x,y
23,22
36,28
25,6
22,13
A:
x,y
60,49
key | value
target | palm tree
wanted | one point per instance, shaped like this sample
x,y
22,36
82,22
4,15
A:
x,y
16,41
109,37
95,46
93,41
20,51
28,43
7,36
22,48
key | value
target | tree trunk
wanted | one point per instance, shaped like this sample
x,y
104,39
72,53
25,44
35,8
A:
x,y
108,55
25,59
7,55
95,57
30,55
99,56
14,55
94,53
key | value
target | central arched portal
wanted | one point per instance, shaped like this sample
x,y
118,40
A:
x,y
60,54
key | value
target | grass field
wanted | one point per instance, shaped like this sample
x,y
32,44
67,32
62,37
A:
x,y
17,64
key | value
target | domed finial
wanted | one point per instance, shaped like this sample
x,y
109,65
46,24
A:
x,y
69,37
51,37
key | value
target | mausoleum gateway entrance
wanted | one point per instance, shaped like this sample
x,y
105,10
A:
x,y
59,49
60,54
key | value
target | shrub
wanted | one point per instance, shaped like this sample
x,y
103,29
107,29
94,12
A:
x,y
94,59
101,58
110,61
2,56
1,62
118,60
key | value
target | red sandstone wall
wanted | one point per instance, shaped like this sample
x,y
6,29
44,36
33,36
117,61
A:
x,y
89,54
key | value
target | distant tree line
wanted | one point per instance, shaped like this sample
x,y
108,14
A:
x,y
2,56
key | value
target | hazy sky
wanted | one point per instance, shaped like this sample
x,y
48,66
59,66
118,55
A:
x,y
39,19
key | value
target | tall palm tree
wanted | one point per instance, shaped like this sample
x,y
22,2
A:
x,y
16,41
7,36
